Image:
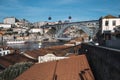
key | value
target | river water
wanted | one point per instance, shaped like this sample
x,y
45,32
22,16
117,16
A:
x,y
33,45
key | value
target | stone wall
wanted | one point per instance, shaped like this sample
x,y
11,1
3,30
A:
x,y
113,43
105,62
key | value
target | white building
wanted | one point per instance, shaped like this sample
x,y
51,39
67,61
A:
x,y
23,23
10,20
19,30
36,30
49,57
108,23
5,25
4,52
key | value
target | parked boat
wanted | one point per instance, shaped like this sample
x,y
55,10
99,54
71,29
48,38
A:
x,y
16,42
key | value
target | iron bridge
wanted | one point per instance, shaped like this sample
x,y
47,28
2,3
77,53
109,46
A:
x,y
89,27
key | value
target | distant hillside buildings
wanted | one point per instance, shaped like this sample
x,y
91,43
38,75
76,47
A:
x,y
2,25
16,22
39,24
106,24
10,20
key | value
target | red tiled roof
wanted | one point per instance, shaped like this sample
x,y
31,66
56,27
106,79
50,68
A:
x,y
6,48
36,53
59,47
109,16
5,63
72,55
11,59
43,71
69,69
57,50
75,68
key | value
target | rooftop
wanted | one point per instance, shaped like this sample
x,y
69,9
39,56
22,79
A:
x,y
6,48
11,59
60,50
74,68
109,16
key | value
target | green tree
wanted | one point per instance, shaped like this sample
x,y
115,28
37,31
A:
x,y
69,17
13,71
49,18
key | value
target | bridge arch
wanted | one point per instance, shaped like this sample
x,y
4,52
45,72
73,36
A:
x,y
79,26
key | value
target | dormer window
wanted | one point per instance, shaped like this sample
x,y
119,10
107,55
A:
x,y
106,23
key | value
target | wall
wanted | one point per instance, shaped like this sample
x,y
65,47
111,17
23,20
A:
x,y
105,62
113,43
43,59
5,25
36,30
110,25
10,20
4,52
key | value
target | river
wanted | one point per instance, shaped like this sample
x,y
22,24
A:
x,y
33,45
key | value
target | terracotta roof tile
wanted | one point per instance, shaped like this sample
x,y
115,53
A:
x,y
57,50
11,59
5,63
75,68
109,16
43,71
72,55
6,48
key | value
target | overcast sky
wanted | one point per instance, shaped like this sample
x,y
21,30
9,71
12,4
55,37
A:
x,y
40,10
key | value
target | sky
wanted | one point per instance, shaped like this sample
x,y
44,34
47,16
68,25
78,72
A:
x,y
40,10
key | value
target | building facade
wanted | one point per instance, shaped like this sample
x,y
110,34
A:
x,y
4,52
5,25
49,57
36,30
10,20
108,23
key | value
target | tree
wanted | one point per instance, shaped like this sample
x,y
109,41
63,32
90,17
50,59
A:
x,y
69,17
59,22
13,71
10,30
38,33
49,18
117,29
1,28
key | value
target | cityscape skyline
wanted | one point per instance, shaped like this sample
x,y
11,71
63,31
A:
x,y
59,10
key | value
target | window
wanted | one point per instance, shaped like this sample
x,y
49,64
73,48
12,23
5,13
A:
x,y
106,23
114,23
3,53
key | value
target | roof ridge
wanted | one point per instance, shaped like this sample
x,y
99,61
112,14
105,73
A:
x,y
109,16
